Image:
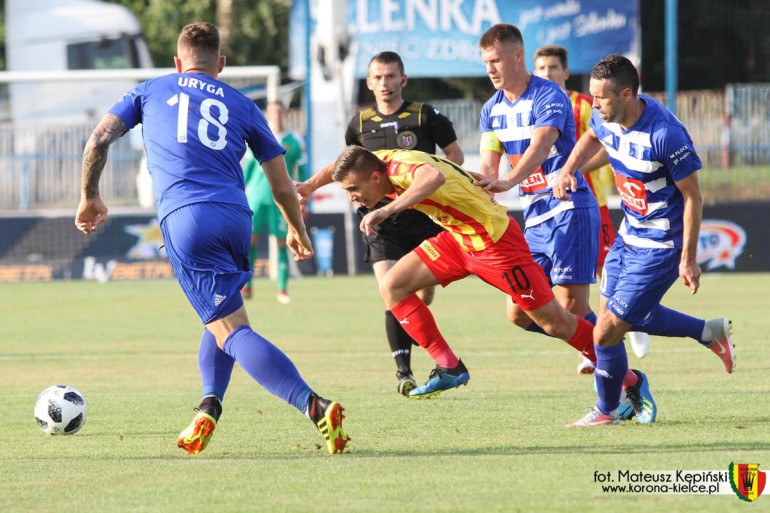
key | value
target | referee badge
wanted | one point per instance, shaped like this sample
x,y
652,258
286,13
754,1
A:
x,y
406,140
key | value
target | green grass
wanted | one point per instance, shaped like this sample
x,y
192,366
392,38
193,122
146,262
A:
x,y
496,445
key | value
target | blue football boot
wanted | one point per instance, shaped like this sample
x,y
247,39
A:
x,y
441,379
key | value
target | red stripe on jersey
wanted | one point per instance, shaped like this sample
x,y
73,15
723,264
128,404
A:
x,y
578,99
478,228
395,168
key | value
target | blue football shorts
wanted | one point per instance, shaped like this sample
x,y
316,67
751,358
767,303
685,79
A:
x,y
567,246
208,247
634,279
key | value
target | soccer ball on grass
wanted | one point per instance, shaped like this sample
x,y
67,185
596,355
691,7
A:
x,y
60,410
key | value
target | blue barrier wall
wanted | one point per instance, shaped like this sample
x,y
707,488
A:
x,y
732,239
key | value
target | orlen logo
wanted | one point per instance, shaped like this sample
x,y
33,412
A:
x,y
720,242
632,192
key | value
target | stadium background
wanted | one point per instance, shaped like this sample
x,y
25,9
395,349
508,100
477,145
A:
x,y
723,99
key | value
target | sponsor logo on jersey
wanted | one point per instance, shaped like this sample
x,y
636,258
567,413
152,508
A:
x,y
632,193
720,242
534,182
429,250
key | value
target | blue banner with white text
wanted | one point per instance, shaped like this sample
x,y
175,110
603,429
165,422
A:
x,y
439,38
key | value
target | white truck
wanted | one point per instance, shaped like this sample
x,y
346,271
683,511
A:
x,y
50,36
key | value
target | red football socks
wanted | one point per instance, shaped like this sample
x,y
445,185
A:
x,y
583,339
415,317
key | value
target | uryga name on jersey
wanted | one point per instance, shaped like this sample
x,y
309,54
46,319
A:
x,y
200,84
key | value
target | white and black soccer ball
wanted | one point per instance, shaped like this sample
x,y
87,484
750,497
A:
x,y
60,410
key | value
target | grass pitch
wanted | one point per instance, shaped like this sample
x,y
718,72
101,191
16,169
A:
x,y
496,445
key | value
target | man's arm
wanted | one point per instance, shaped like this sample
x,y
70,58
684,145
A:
x,y
285,196
308,187
598,161
427,180
543,139
489,164
689,270
587,146
454,153
92,211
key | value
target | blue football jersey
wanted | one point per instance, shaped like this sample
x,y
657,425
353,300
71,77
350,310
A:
x,y
648,159
195,130
508,127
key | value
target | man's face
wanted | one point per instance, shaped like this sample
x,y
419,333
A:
x,y
502,62
385,81
607,101
550,68
364,189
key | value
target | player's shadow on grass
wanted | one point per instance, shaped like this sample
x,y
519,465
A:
x,y
302,453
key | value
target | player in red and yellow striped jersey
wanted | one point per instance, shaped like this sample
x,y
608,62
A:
x,y
480,239
551,63
474,221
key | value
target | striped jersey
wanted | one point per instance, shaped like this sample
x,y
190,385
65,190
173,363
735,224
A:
x,y
507,128
474,218
648,159
582,109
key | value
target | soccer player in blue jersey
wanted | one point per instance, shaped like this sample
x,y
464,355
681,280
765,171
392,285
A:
x,y
655,168
530,120
196,130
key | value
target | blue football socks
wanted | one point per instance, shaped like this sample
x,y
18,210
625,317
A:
x,y
666,322
215,365
268,365
611,368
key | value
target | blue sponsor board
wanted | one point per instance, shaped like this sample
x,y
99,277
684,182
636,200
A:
x,y
128,247
732,239
439,38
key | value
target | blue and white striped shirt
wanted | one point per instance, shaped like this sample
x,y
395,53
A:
x,y
647,160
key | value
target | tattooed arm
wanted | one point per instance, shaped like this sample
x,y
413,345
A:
x,y
92,211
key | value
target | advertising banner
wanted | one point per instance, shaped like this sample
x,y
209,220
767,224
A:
x,y
732,239
439,38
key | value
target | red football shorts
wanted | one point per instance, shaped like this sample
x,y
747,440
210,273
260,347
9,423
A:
x,y
507,265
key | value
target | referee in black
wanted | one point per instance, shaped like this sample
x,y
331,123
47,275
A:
x,y
395,123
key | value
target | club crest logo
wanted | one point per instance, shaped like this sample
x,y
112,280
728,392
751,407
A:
x,y
720,242
406,139
746,480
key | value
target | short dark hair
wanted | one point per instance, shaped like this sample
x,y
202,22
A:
x,y
388,58
553,51
200,36
501,33
619,70
356,159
